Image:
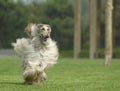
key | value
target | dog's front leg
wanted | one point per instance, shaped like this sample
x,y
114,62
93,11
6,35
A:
x,y
43,76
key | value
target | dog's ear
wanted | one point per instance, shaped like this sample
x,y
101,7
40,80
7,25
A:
x,y
28,29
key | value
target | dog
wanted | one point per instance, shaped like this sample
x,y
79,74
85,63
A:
x,y
42,41
37,53
32,63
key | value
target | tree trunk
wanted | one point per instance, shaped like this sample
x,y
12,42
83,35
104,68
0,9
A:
x,y
98,27
108,32
77,30
114,28
93,28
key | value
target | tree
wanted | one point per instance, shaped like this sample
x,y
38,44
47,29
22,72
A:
x,y
77,31
93,28
108,33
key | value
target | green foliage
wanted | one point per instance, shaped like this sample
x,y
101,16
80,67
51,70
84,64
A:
x,y
15,16
116,52
85,53
67,75
59,14
12,22
66,54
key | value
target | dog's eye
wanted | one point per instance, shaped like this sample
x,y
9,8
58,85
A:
x,y
48,29
42,29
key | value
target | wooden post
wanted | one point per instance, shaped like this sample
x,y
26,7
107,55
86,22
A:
x,y
108,32
77,30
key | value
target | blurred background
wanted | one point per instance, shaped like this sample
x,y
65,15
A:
x,y
59,14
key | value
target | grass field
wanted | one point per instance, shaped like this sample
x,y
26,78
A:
x,y
67,75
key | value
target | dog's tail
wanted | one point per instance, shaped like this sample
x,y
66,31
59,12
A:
x,y
21,46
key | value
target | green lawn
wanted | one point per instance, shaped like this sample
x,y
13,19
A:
x,y
67,75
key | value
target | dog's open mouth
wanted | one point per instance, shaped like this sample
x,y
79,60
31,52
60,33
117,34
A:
x,y
44,38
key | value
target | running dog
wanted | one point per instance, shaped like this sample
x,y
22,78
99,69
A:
x,y
37,53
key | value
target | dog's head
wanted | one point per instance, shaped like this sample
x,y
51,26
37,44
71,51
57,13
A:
x,y
31,30
44,31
